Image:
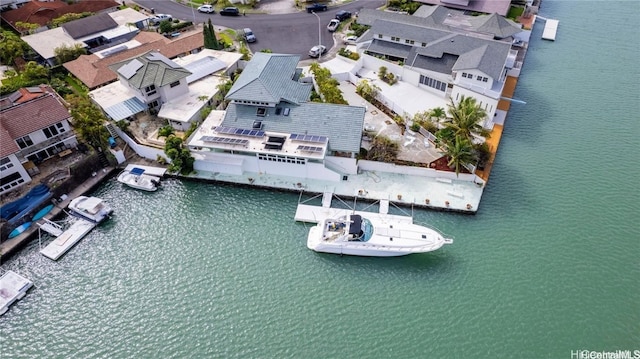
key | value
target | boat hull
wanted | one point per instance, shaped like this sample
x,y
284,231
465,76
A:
x,y
141,182
398,239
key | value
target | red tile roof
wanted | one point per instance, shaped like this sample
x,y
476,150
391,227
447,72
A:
x,y
41,13
93,71
30,116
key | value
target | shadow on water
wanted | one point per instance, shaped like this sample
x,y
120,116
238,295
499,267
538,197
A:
x,y
433,264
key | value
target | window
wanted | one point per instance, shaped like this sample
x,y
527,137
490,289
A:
x,y
410,42
150,90
464,74
174,84
154,104
24,142
479,78
262,111
424,44
484,79
5,163
379,36
393,38
11,180
53,130
433,83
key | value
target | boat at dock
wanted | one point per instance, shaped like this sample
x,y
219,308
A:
x,y
355,234
13,287
65,239
136,178
93,209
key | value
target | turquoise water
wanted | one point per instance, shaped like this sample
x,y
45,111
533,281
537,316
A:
x,y
550,264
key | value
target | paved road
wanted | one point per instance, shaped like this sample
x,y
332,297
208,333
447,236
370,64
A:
x,y
293,33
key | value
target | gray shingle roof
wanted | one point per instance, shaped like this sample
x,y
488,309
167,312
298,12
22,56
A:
x,y
156,70
89,25
444,44
270,78
442,18
341,124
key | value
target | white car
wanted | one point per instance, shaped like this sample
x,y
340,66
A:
x,y
209,9
350,40
333,25
317,51
160,18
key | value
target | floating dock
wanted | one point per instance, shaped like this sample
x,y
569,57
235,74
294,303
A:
x,y
550,29
315,214
67,239
13,287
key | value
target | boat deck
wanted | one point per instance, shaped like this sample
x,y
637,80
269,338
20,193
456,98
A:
x,y
67,239
13,287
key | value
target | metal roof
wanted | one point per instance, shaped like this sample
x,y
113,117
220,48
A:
x,y
125,109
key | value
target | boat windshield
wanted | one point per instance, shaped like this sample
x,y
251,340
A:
x,y
367,230
360,228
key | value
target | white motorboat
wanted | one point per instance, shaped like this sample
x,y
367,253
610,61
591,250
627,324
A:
x,y
136,178
354,234
93,209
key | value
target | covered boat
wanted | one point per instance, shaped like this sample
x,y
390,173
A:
x,y
136,178
93,209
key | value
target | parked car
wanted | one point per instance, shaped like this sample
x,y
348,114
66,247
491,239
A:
x,y
343,15
248,35
156,20
315,7
350,40
317,51
209,9
333,25
230,11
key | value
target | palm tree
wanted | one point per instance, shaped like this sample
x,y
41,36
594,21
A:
x,y
460,153
466,117
438,113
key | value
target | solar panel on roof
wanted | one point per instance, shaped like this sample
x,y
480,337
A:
x,y
224,140
240,131
310,149
129,69
308,138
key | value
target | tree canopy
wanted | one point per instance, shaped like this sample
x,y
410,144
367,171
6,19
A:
x,y
210,40
66,53
88,121
11,47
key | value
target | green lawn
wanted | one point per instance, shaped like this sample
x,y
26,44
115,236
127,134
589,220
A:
x,y
514,12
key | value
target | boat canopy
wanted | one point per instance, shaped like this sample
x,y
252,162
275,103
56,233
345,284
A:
x,y
136,171
355,227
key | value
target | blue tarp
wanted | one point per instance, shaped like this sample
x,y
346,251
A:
x,y
14,211
136,171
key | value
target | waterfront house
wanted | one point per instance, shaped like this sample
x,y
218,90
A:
x,y
270,126
443,53
34,126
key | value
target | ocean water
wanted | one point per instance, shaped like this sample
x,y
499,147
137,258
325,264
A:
x,y
549,265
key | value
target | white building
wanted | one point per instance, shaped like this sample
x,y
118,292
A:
x,y
271,127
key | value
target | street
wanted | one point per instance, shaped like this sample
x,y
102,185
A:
x,y
293,33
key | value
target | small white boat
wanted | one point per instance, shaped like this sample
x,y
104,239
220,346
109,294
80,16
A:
x,y
353,234
136,178
93,209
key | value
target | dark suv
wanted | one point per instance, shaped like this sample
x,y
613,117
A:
x,y
343,15
230,11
